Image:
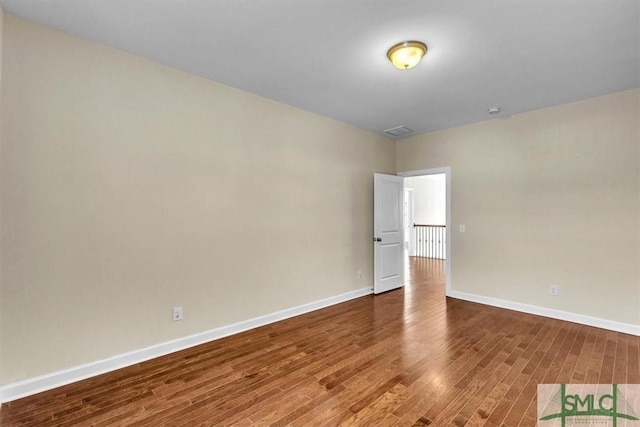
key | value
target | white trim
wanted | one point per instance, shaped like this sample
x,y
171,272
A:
x,y
42,383
447,172
582,319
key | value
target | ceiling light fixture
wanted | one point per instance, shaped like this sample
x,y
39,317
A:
x,y
407,54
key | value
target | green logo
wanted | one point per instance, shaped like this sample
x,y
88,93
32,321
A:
x,y
587,404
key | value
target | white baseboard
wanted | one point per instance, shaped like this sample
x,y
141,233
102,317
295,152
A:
x,y
582,319
42,383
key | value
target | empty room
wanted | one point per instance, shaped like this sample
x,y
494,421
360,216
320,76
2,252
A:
x,y
292,213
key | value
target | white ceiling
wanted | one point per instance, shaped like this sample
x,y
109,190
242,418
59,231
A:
x,y
329,56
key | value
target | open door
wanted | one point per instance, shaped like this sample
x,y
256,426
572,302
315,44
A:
x,y
388,229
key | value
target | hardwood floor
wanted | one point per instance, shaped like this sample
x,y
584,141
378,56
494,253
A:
x,y
410,357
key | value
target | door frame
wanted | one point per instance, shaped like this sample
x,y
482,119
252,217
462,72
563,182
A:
x,y
446,170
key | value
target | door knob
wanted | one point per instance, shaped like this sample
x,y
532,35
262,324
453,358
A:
x,y
377,239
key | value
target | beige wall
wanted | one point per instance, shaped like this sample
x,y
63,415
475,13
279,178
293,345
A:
x,y
129,188
547,197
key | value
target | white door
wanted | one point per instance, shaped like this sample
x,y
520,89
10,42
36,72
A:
x,y
388,247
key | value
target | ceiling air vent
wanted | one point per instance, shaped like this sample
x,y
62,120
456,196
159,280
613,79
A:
x,y
398,131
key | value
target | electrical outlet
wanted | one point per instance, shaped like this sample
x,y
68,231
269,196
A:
x,y
553,290
360,274
177,313
462,228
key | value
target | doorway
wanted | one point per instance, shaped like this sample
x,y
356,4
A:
x,y
425,202
428,234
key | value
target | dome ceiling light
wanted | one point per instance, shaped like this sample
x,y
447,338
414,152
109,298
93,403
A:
x,y
406,54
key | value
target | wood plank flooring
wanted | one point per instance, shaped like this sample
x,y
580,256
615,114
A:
x,y
410,357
